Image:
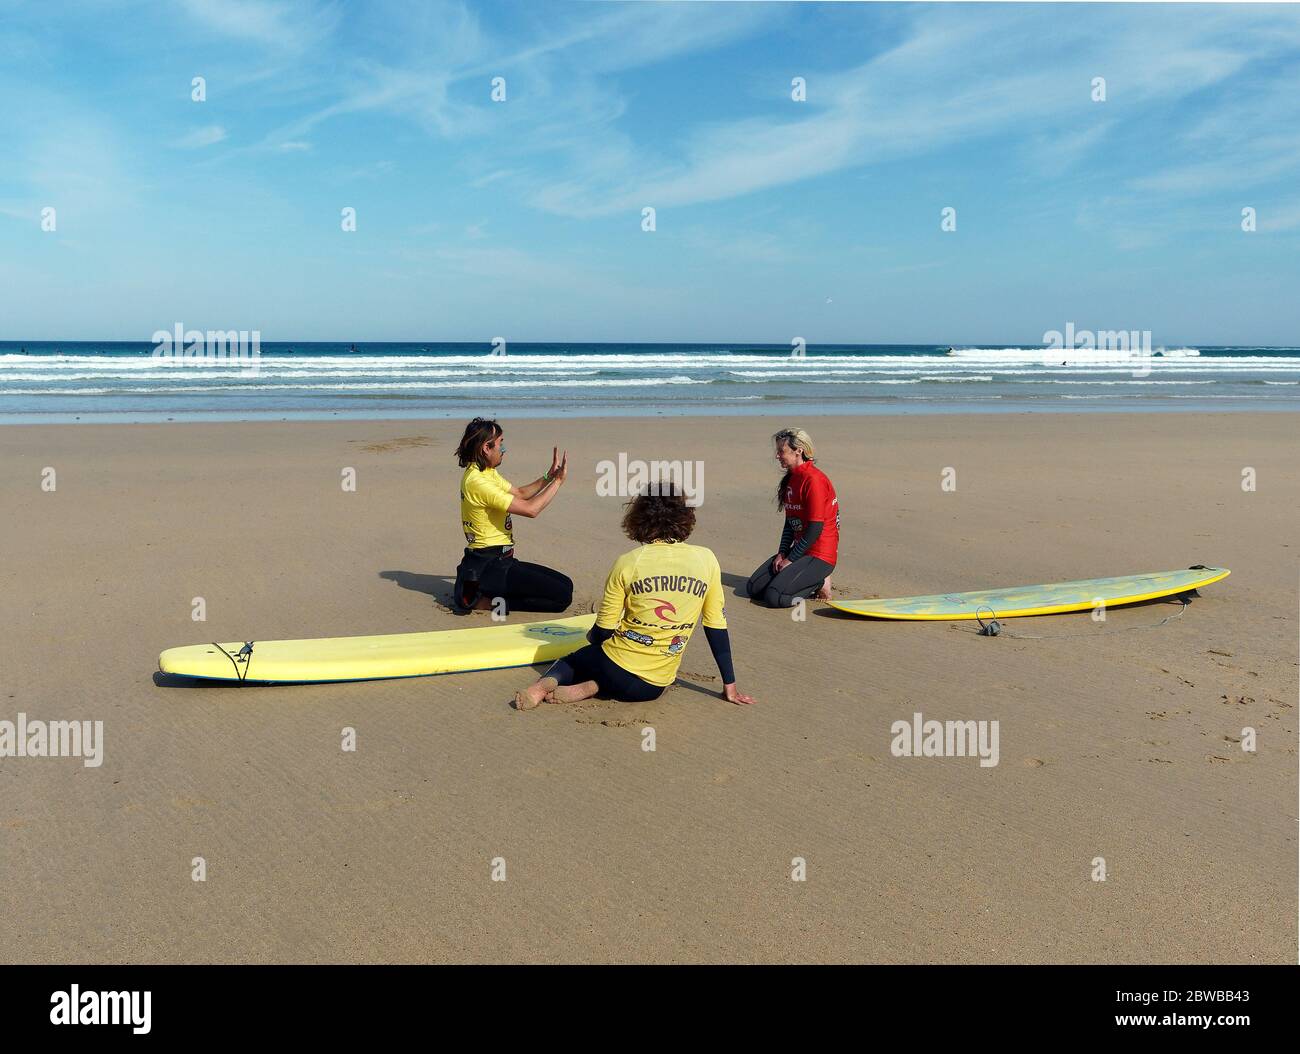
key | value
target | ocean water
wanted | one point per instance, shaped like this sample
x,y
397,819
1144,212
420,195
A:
x,y
103,382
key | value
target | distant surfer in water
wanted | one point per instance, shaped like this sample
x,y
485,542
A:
x,y
654,598
810,537
488,505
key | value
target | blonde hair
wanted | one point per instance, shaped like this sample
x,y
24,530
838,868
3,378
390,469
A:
x,y
795,439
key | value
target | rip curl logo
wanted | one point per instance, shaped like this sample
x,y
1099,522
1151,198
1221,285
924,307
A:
x,y
663,609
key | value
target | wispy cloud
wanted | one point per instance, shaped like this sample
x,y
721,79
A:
x,y
491,177
438,60
76,166
740,245
202,137
1016,74
294,25
1284,217
386,105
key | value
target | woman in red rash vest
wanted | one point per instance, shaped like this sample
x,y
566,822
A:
x,y
810,539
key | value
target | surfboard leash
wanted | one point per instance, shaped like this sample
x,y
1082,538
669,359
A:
x,y
243,655
994,628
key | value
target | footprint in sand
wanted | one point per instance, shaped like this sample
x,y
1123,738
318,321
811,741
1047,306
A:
x,y
623,722
834,758
387,446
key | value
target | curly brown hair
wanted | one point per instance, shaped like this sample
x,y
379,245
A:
x,y
477,432
659,515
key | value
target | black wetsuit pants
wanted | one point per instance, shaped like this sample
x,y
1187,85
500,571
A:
x,y
523,586
592,664
801,579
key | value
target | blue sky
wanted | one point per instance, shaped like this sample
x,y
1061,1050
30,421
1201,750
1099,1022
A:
x,y
776,219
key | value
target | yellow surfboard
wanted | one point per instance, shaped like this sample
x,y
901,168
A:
x,y
1037,600
373,658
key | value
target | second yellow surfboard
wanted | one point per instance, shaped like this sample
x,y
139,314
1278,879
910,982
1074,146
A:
x,y
1050,599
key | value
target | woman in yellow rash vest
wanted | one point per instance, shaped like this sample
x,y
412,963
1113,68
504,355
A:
x,y
654,598
488,505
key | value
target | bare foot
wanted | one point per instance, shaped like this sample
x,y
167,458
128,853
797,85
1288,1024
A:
x,y
573,693
825,592
530,697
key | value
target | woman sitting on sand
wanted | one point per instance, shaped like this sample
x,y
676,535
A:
x,y
655,596
488,503
810,538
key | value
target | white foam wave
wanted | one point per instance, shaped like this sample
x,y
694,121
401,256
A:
x,y
1046,354
644,382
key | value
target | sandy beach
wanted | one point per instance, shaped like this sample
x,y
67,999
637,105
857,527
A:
x,y
1116,745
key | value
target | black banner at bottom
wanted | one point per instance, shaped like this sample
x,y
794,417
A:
x,y
339,1003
